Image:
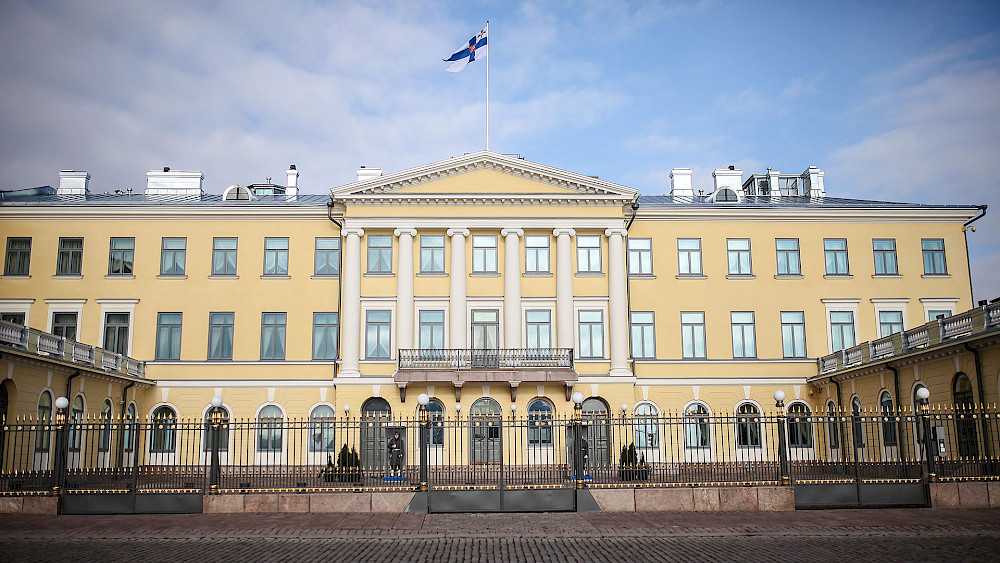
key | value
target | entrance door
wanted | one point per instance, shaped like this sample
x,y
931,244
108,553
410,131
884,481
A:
x,y
597,422
374,418
485,338
484,423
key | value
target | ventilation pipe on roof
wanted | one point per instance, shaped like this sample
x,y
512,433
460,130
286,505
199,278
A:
x,y
366,173
174,183
74,182
680,182
292,186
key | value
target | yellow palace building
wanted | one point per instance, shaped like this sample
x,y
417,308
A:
x,y
491,283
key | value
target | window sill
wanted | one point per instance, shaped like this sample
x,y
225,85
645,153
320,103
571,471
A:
x,y
741,277
484,275
275,277
590,274
432,274
537,274
642,277
592,360
15,277
223,277
172,277
788,276
838,277
936,276
886,276
68,277
379,275
691,277
119,277
324,277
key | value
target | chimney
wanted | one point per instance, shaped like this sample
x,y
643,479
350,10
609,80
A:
x,y
174,183
366,173
728,178
812,182
680,182
74,182
292,186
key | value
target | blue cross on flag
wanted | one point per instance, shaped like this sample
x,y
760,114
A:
x,y
475,49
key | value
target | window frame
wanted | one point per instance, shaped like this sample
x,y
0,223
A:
x,y
72,258
887,408
640,260
224,253
321,337
540,422
695,331
933,254
379,255
432,253
220,327
743,326
269,430
126,257
173,253
800,434
646,335
436,327
882,257
533,254
322,432
59,327
749,434
274,255
842,325
172,332
692,255
792,334
17,261
278,338
591,326
533,329
882,324
592,253
330,263
116,345
383,329
697,426
784,257
485,254
163,434
836,254
739,254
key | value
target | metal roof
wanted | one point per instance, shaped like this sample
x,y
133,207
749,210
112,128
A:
x,y
786,201
28,199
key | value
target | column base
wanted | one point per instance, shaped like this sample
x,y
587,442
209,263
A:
x,y
620,372
349,373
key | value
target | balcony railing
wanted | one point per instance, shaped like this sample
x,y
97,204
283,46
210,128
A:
x,y
49,345
466,358
940,331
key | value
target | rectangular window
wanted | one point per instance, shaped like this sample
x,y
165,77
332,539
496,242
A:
x,y
536,253
18,256
484,254
835,254
324,336
172,256
889,322
591,334
168,336
789,262
588,254
693,334
640,256
17,318
64,325
933,250
842,329
224,257
793,334
538,325
276,256
739,256
885,256
326,261
432,254
643,337
431,330
377,338
689,256
116,332
744,338
933,314
272,336
122,255
220,336
379,254
69,260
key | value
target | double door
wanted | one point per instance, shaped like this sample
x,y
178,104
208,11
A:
x,y
485,338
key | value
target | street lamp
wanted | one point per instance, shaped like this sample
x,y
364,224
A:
x,y
578,438
422,401
347,409
215,418
923,396
62,445
779,402
624,409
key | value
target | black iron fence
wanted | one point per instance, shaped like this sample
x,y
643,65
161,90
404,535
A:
x,y
383,453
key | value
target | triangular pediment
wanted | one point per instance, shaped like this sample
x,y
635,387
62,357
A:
x,y
484,174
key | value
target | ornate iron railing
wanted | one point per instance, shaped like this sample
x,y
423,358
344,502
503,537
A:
x,y
472,358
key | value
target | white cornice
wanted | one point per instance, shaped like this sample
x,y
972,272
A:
x,y
579,223
815,214
164,213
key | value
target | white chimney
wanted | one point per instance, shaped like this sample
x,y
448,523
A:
x,y
366,173
174,183
728,178
680,182
292,186
812,182
74,182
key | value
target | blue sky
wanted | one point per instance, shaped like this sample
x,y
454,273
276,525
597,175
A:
x,y
894,100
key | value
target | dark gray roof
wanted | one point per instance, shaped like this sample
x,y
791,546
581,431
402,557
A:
x,y
788,201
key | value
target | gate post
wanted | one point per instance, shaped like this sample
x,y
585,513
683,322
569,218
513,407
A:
x,y
216,470
578,438
779,401
923,396
59,460
423,400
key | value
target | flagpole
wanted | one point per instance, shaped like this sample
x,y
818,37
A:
x,y
487,87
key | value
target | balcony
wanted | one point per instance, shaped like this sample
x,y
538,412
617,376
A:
x,y
44,344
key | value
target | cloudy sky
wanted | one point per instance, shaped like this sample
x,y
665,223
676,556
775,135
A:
x,y
895,100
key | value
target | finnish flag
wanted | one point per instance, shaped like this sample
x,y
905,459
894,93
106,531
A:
x,y
473,50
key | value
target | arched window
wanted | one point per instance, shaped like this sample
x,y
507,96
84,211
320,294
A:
x,y
106,412
748,426
42,435
435,415
888,416
799,429
963,391
76,424
858,427
646,430
966,428
211,429
832,426
594,407
697,432
130,433
269,429
321,432
539,423
376,408
725,195
164,435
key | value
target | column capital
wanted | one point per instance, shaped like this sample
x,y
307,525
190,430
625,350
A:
x,y
508,232
458,232
406,231
356,231
615,231
559,232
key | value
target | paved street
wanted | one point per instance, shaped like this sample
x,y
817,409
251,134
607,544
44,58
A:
x,y
831,535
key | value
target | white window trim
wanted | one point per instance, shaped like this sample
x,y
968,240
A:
x,y
479,303
66,306
13,305
387,304
540,305
431,305
836,305
118,306
938,304
890,304
590,304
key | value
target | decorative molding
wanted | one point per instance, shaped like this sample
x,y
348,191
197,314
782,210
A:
x,y
458,232
615,231
406,231
516,232
563,231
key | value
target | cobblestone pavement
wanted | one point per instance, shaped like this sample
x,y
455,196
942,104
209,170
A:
x,y
830,535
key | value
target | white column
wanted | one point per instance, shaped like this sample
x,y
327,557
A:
x,y
458,328
404,289
564,287
350,313
617,302
512,287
